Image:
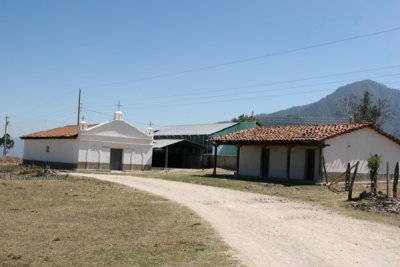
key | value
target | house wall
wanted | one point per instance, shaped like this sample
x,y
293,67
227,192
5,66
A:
x,y
277,162
250,160
358,146
60,150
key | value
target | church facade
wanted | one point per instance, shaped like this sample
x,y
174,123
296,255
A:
x,y
114,145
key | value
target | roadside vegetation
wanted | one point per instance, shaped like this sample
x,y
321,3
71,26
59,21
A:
x,y
85,222
312,194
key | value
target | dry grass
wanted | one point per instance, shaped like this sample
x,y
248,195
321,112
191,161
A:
x,y
315,194
10,160
84,222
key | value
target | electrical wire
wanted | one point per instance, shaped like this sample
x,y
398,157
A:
x,y
244,60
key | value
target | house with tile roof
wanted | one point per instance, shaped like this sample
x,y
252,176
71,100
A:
x,y
113,145
298,152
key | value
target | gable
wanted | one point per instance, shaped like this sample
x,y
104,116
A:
x,y
116,129
365,137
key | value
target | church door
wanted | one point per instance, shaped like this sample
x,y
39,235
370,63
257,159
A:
x,y
116,159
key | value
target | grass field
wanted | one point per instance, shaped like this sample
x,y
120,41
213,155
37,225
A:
x,y
315,194
84,222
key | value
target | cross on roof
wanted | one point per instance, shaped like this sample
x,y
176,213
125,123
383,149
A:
x,y
83,118
150,124
119,105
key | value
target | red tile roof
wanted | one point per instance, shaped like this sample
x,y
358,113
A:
x,y
293,133
66,132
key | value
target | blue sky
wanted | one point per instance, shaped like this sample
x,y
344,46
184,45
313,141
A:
x,y
49,49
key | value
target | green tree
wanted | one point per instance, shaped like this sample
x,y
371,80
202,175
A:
x,y
8,141
363,109
374,162
243,118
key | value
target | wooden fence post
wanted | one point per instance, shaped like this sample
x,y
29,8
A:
x,y
347,181
396,179
387,179
350,196
324,166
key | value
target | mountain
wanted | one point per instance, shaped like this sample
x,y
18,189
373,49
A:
x,y
324,110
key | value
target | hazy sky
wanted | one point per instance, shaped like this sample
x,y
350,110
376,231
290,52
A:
x,y
165,60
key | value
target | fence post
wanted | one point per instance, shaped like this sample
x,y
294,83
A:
x,y
347,181
387,179
396,179
350,196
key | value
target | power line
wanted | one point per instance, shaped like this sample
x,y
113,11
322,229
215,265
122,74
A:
x,y
238,99
147,104
267,90
261,84
244,60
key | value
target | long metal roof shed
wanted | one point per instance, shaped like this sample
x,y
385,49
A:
x,y
192,129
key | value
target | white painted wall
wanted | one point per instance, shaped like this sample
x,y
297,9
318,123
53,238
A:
x,y
358,145
61,150
250,160
277,162
96,143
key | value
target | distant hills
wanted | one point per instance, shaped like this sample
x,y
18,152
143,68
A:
x,y
324,110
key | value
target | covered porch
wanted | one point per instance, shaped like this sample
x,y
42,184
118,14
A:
x,y
289,162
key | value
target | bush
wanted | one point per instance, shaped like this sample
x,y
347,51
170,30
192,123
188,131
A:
x,y
374,162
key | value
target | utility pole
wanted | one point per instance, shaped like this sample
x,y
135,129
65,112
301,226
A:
x,y
5,137
79,107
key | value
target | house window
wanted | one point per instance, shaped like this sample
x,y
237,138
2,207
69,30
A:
x,y
47,149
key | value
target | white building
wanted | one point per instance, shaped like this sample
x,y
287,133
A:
x,y
297,152
114,145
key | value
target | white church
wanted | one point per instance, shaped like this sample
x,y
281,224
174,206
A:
x,y
113,145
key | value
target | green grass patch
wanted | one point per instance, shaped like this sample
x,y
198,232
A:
x,y
85,222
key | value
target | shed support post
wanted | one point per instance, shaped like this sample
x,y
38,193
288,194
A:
x,y
215,158
237,160
166,157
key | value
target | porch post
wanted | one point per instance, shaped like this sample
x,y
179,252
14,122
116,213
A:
x,y
288,163
237,160
215,158
166,157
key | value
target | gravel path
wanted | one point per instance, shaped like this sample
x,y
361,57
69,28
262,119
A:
x,y
271,231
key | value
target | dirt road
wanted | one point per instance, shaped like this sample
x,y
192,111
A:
x,y
270,231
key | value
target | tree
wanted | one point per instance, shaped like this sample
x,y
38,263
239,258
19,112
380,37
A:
x,y
363,109
9,142
243,118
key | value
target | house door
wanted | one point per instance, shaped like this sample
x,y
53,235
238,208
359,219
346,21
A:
x,y
265,162
116,159
310,165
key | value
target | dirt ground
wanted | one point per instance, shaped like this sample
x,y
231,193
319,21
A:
x,y
271,231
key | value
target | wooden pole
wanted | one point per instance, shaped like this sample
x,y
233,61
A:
x,y
324,166
288,163
166,157
79,108
237,161
347,181
5,138
215,158
387,178
350,196
395,179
